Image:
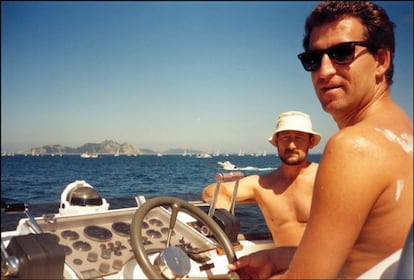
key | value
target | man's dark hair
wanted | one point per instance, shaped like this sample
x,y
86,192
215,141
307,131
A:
x,y
379,28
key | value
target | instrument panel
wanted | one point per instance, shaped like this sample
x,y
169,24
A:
x,y
99,244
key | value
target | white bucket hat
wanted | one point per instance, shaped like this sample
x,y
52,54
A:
x,y
297,121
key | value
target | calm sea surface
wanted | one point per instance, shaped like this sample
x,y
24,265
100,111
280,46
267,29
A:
x,y
39,179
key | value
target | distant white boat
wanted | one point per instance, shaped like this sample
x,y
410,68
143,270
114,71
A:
x,y
203,155
227,165
89,155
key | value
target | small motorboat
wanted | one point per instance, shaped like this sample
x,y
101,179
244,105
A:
x,y
227,165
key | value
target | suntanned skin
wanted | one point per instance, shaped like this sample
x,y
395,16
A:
x,y
362,205
284,195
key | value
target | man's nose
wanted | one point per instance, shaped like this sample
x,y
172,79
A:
x,y
327,66
292,144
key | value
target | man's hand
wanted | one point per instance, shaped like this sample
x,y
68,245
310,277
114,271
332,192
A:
x,y
263,264
258,265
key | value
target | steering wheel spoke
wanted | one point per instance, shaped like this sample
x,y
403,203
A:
x,y
175,208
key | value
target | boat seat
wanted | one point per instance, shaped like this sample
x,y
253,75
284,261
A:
x,y
398,265
405,264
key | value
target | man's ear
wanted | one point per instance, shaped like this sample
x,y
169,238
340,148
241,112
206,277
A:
x,y
383,63
275,138
312,140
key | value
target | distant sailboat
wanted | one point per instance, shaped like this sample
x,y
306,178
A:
x,y
261,154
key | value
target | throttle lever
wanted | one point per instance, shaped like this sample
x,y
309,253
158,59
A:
x,y
23,207
225,177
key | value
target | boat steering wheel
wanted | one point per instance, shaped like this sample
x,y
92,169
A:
x,y
176,205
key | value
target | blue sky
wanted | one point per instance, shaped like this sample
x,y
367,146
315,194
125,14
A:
x,y
211,76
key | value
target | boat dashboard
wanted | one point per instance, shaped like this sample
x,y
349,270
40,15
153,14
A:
x,y
98,245
164,237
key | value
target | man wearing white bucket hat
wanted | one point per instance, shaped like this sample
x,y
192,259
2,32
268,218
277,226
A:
x,y
284,195
296,121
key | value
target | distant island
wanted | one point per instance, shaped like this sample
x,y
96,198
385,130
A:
x,y
107,147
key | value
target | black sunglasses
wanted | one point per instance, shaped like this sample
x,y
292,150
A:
x,y
341,54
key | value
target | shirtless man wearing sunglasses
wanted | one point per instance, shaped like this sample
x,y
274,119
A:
x,y
362,207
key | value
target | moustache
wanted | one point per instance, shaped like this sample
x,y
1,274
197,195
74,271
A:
x,y
291,152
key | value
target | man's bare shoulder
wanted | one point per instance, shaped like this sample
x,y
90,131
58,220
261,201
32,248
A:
x,y
362,139
258,181
365,157
271,175
351,152
251,180
312,167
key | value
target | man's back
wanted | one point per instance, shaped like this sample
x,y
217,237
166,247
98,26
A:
x,y
377,153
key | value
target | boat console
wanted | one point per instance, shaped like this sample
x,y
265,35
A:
x,y
86,240
99,244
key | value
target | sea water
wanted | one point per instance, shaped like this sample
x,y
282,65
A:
x,y
38,179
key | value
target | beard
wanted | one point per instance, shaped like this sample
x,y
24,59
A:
x,y
288,160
